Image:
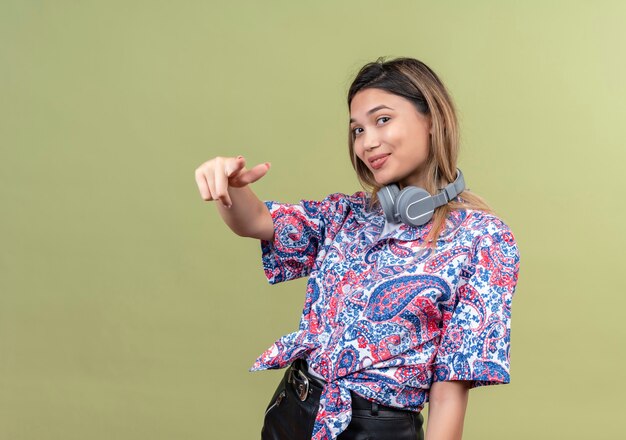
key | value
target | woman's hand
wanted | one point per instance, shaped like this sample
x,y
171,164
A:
x,y
226,179
215,176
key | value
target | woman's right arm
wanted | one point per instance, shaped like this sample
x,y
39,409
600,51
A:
x,y
226,179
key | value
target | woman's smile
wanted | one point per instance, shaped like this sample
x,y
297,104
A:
x,y
378,161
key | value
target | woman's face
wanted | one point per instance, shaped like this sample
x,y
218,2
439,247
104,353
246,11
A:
x,y
390,136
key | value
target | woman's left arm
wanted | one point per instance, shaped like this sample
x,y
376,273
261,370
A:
x,y
446,410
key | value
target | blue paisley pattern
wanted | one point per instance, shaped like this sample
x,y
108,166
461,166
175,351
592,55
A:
x,y
384,316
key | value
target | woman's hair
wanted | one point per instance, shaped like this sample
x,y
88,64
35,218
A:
x,y
416,82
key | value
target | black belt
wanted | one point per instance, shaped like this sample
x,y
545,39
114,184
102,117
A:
x,y
306,385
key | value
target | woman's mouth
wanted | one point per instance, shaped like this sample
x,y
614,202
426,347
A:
x,y
378,161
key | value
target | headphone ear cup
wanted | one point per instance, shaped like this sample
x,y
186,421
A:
x,y
387,196
415,206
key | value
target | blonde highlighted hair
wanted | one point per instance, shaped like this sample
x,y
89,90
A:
x,y
416,82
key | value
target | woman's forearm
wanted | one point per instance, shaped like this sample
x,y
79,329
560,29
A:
x,y
446,410
247,216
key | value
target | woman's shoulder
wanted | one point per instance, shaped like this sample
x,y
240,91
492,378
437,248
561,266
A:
x,y
488,229
358,201
469,225
359,198
334,206
483,221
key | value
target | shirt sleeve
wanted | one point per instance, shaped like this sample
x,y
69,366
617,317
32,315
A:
x,y
300,233
475,343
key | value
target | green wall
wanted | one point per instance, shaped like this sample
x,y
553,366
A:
x,y
129,311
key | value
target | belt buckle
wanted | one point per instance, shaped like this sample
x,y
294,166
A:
x,y
303,388
301,384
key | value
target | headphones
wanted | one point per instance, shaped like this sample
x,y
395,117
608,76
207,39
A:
x,y
414,206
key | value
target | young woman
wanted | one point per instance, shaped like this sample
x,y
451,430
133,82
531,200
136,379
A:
x,y
410,282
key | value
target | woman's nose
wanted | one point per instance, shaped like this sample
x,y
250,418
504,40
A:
x,y
371,141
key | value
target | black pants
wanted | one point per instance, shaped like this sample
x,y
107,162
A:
x,y
291,413
383,423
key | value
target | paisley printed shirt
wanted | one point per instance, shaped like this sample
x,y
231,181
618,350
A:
x,y
385,316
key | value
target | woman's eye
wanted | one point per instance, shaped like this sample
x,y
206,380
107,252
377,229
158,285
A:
x,y
384,117
355,132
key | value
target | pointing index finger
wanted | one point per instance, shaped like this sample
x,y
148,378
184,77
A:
x,y
255,173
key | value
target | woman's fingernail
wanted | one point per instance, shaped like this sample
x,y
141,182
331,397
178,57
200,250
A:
x,y
239,157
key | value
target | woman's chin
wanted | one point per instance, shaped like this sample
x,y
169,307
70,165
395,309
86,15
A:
x,y
384,181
